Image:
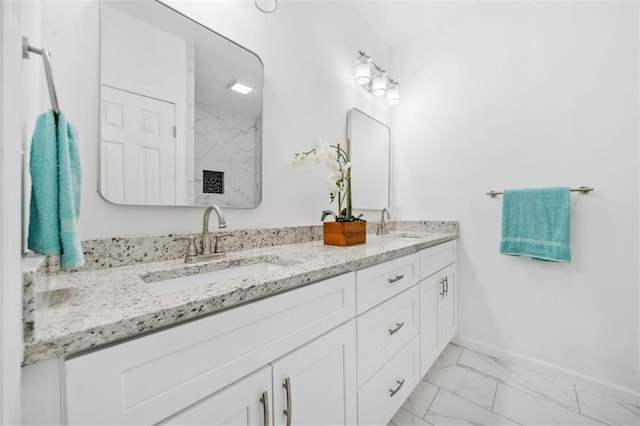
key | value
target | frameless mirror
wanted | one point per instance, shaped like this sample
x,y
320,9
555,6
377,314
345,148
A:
x,y
369,153
181,111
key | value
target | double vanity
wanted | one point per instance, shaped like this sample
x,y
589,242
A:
x,y
298,333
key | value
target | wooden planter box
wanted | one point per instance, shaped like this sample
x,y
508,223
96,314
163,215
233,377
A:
x,y
345,233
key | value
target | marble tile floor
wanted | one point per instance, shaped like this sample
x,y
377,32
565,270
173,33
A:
x,y
465,387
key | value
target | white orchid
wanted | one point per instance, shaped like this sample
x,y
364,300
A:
x,y
339,178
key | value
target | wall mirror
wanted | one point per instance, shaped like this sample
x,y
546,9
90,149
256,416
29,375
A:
x,y
369,152
181,111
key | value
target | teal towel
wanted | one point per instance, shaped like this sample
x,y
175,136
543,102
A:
x,y
55,190
536,223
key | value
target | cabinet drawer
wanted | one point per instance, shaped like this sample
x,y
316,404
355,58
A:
x,y
378,283
437,257
376,402
152,377
386,329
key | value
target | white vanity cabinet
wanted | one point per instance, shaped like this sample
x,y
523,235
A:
x,y
406,317
149,379
313,385
438,303
316,384
343,351
388,343
244,403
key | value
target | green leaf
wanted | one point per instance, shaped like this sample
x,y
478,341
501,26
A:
x,y
326,213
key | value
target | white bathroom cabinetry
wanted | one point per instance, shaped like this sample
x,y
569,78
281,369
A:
x,y
151,378
388,342
343,351
447,318
244,403
438,303
316,384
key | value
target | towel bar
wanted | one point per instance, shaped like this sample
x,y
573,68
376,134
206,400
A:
x,y
46,59
582,190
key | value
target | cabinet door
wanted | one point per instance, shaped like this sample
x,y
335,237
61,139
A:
x,y
244,403
316,384
447,308
429,302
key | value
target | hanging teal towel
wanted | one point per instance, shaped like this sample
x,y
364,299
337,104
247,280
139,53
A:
x,y
536,223
55,190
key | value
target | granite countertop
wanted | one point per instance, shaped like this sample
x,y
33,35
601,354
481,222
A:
x,y
81,310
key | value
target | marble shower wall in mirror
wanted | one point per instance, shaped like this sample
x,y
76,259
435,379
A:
x,y
369,152
172,131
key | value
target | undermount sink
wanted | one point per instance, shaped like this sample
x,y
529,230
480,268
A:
x,y
406,235
216,272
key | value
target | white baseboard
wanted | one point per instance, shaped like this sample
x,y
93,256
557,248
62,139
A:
x,y
548,369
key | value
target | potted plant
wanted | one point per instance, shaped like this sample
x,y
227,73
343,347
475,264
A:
x,y
346,229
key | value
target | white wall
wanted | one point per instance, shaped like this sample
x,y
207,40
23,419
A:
x,y
526,94
308,50
21,84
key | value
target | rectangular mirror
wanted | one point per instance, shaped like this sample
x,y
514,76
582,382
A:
x,y
176,127
369,143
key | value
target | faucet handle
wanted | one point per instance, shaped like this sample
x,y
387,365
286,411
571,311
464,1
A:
x,y
217,245
192,251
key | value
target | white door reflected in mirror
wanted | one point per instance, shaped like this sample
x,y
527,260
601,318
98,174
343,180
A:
x,y
172,130
369,152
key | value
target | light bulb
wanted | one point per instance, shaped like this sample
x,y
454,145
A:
x,y
379,85
393,93
363,69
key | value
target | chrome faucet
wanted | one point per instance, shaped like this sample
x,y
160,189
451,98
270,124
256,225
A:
x,y
382,230
206,235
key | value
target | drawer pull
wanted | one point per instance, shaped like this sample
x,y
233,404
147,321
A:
x,y
264,399
392,331
395,391
443,293
287,412
446,289
396,279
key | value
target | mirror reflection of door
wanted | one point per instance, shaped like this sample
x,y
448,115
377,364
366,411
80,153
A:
x,y
138,148
153,58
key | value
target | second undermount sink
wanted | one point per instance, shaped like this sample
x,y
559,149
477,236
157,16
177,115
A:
x,y
406,235
215,272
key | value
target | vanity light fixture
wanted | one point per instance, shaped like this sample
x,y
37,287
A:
x,y
393,93
240,87
379,84
363,69
376,80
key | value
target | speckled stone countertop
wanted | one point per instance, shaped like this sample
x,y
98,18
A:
x,y
84,309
